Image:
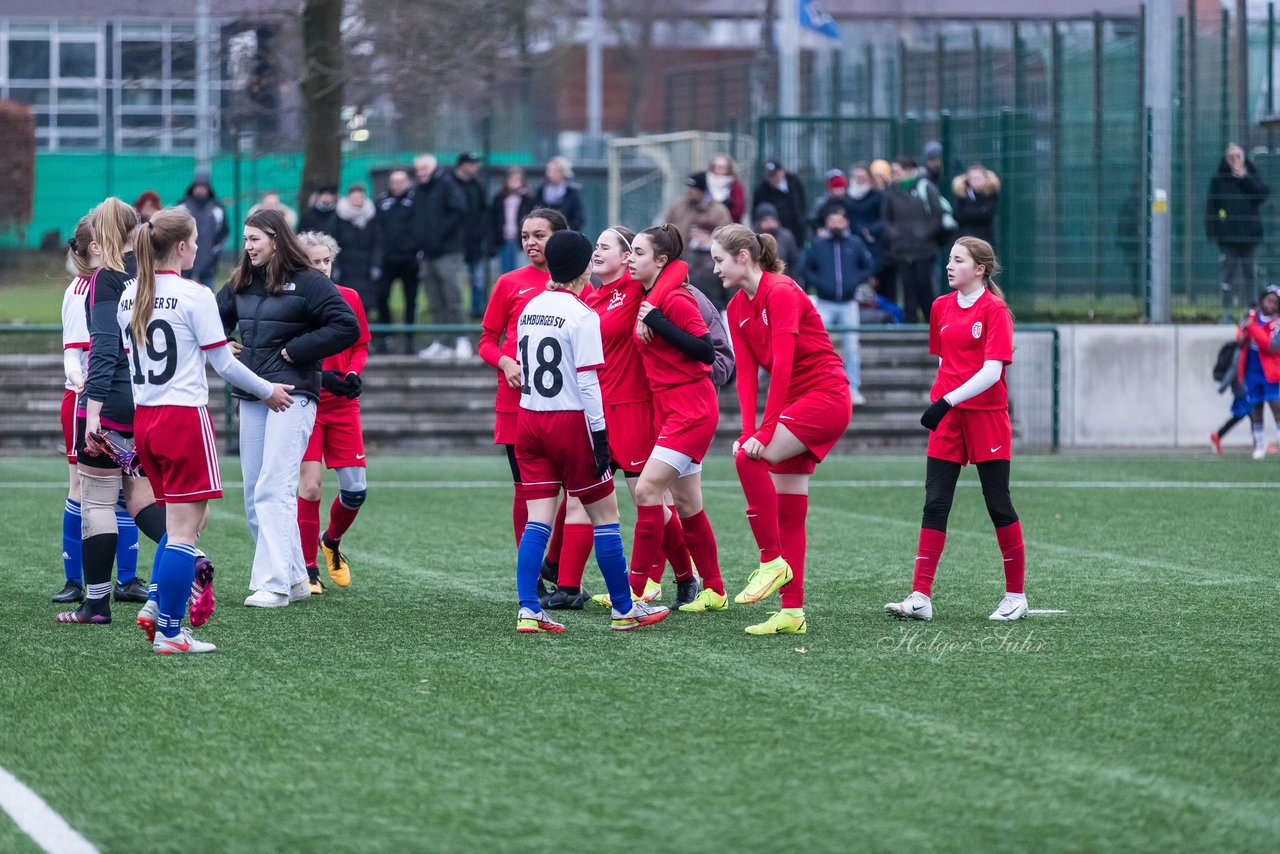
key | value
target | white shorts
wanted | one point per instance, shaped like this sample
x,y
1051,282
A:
x,y
682,463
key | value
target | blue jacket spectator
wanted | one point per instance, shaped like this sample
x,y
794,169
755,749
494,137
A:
x,y
835,266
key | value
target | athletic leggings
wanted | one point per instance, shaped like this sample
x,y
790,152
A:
x,y
940,487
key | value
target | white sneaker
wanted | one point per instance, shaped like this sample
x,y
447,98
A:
x,y
915,607
267,599
641,614
858,399
183,643
463,349
1011,607
437,352
300,591
1260,452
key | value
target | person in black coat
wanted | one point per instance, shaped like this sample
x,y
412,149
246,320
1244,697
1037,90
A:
x,y
466,172
560,193
397,229
510,205
785,192
290,318
1232,221
975,200
439,208
320,216
356,230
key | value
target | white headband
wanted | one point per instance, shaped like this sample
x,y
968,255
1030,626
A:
x,y
625,242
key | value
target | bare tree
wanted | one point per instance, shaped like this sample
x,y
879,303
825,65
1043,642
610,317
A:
x,y
322,81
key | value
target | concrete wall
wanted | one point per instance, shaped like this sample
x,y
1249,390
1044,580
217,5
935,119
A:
x,y
1148,386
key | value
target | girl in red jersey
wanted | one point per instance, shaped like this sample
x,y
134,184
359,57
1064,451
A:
x,y
511,293
337,438
172,329
776,327
971,333
677,353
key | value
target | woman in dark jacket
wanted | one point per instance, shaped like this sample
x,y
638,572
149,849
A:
x,y
511,204
1232,221
559,193
290,318
356,228
976,198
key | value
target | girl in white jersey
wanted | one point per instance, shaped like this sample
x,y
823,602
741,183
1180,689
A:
x,y
172,327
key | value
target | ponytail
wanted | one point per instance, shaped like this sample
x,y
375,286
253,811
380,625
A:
x,y
78,247
982,253
157,240
761,248
769,260
113,222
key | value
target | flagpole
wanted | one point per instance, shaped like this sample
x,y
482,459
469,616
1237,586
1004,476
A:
x,y
789,57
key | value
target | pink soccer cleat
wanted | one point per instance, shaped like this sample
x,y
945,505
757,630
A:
x,y
200,605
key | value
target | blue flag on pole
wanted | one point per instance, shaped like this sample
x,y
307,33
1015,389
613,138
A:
x,y
814,18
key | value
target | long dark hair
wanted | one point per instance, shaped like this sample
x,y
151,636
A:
x,y
288,258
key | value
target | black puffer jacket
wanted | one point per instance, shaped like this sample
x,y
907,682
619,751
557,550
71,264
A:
x,y
310,319
1231,213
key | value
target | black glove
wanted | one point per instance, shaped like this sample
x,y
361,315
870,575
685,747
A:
x,y
354,385
933,415
333,382
600,449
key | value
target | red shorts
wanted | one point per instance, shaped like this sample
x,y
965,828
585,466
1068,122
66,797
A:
x,y
69,424
687,416
553,450
336,437
818,419
505,427
179,452
631,433
972,436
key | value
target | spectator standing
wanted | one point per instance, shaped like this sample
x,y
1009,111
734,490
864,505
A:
x,y
696,216
932,157
510,205
560,193
356,230
466,172
767,222
147,205
976,199
912,223
837,194
439,207
783,190
835,265
271,202
1232,221
211,228
399,252
865,201
320,216
725,188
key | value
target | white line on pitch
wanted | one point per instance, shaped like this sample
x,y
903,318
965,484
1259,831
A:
x,y
1044,611
37,819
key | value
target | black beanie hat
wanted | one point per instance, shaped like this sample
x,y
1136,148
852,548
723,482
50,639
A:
x,y
568,255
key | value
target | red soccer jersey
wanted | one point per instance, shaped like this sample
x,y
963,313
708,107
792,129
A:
x,y
964,338
511,293
666,366
780,331
623,379
352,359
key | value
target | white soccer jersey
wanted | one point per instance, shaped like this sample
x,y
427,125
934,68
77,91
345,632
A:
x,y
168,368
75,323
557,336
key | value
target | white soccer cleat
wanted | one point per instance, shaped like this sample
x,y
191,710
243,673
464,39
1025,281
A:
x,y
915,607
183,644
1011,607
267,599
437,352
300,591
1260,452
462,350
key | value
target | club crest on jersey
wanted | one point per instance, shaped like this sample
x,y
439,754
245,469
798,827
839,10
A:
x,y
977,329
764,316
616,300
289,286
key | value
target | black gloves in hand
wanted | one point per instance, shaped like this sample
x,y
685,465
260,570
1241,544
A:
x,y
342,385
654,316
600,449
933,415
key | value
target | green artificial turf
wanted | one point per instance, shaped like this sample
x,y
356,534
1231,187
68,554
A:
x,y
405,714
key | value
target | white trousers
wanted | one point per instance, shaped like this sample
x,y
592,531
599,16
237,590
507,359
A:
x,y
271,449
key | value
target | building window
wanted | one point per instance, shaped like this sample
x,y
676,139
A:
x,y
78,59
28,59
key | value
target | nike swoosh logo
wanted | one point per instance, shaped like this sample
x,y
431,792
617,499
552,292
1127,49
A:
x,y
944,329
917,607
359,456
638,462
788,417
996,448
743,323
523,292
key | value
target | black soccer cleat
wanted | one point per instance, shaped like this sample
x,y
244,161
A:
x,y
134,591
562,601
686,591
72,592
550,572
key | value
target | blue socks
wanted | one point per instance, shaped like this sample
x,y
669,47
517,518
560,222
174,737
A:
x,y
126,547
176,572
533,547
613,565
71,542
153,589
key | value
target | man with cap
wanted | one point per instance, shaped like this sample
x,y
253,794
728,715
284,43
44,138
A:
x,y
837,196
932,157
696,216
561,441
785,192
466,172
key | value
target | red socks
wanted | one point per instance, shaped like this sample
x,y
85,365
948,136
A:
x,y
556,542
928,553
578,540
1015,556
309,529
792,512
340,518
519,513
673,546
646,545
702,548
762,505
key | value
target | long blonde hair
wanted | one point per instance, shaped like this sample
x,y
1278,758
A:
x,y
113,222
78,247
762,248
982,253
159,236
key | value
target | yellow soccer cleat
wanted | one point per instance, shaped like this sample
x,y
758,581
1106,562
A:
x,y
313,581
529,622
764,582
788,621
339,569
652,593
707,600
